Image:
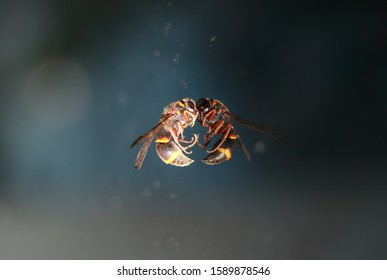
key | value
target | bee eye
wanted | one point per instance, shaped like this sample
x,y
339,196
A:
x,y
203,104
200,101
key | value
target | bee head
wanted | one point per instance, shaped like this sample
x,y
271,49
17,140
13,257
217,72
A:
x,y
203,106
189,105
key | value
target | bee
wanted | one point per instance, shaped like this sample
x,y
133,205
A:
x,y
217,117
169,134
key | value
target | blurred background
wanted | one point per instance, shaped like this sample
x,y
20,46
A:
x,y
81,80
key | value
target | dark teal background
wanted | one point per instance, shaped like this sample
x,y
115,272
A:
x,y
81,80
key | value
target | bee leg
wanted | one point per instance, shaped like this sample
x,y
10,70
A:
x,y
223,152
226,132
210,115
194,140
214,131
181,139
204,145
176,140
180,131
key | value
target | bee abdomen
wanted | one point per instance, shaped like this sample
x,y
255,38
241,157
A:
x,y
223,153
171,153
215,158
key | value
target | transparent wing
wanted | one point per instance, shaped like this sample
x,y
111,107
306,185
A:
x,y
256,127
151,132
147,137
142,153
244,148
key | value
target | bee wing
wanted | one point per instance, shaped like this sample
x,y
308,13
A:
x,y
244,148
148,137
150,133
256,127
142,153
